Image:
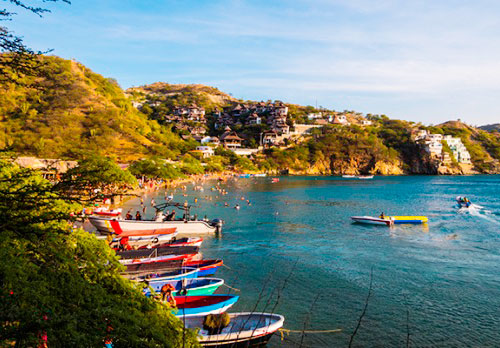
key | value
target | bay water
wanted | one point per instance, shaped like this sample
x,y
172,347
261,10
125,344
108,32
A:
x,y
295,251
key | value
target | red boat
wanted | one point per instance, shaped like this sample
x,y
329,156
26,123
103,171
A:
x,y
107,212
181,242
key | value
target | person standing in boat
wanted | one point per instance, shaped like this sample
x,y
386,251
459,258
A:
x,y
138,216
129,216
382,216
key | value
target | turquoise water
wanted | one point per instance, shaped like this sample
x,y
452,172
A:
x,y
446,275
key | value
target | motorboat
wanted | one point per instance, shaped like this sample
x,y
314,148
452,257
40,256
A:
x,y
373,220
463,202
364,177
244,330
390,220
160,225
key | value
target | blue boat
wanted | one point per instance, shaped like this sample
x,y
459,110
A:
x,y
173,274
189,306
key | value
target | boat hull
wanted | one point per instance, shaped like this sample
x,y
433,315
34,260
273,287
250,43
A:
x,y
409,219
206,267
189,306
244,330
372,220
188,286
143,227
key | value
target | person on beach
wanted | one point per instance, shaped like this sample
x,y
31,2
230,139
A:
x,y
138,216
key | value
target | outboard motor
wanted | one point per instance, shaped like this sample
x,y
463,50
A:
x,y
217,223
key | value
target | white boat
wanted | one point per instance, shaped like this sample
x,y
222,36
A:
x,y
365,176
348,176
244,330
150,227
372,220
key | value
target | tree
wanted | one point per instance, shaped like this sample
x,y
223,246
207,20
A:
x,y
20,58
154,168
95,176
65,283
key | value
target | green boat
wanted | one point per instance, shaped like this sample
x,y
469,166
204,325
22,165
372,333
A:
x,y
185,287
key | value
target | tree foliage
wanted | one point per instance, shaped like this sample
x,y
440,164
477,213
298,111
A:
x,y
63,282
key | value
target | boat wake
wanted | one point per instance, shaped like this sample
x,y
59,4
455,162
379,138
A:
x,y
477,210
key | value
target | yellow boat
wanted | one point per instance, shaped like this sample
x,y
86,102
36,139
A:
x,y
408,219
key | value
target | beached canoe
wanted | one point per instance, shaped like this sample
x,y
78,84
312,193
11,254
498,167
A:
x,y
187,286
372,220
244,330
175,243
149,227
188,306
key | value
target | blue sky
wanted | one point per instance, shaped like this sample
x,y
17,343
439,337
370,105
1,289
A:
x,y
420,60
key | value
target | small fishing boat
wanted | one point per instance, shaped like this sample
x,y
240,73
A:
x,y
372,220
106,212
175,243
244,330
275,180
206,267
172,274
188,306
349,176
136,242
157,254
186,286
463,202
364,177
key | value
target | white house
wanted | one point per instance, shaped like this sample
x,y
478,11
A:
x,y
206,151
458,148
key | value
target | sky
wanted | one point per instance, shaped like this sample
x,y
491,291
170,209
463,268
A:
x,y
422,60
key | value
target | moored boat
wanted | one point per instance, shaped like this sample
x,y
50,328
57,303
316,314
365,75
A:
x,y
187,286
157,254
206,267
347,176
106,212
171,274
372,220
176,243
365,177
244,330
188,306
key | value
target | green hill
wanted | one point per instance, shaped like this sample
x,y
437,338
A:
x,y
72,109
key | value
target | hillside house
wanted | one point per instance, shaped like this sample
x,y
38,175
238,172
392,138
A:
x,y
340,119
206,151
254,119
231,140
459,150
271,138
314,115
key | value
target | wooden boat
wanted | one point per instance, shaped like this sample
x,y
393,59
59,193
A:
x,y
172,274
151,243
157,254
188,306
136,242
244,330
186,286
372,220
206,267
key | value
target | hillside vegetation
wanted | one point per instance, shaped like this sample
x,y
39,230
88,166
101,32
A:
x,y
72,110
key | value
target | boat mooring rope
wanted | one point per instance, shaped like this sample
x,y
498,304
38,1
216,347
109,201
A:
x,y
288,331
230,287
224,265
